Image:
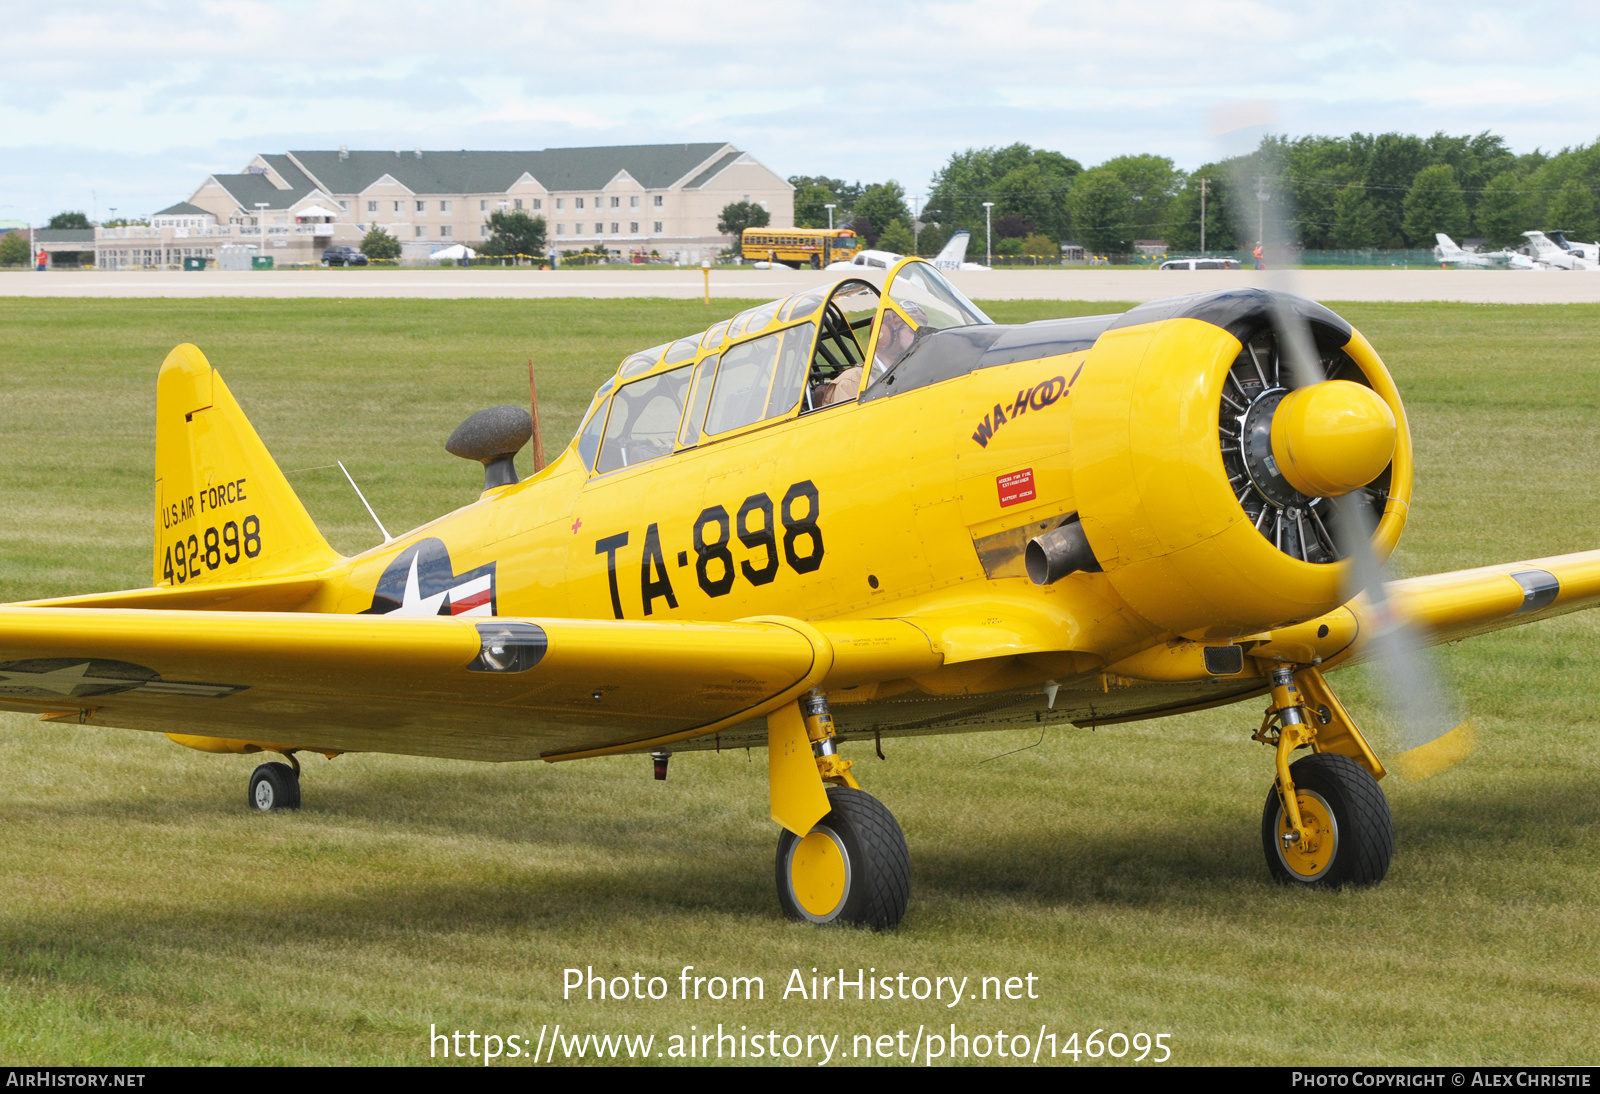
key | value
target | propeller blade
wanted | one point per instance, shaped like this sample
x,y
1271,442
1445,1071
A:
x,y
1432,734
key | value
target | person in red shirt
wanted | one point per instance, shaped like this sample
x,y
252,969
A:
x,y
1260,263
43,259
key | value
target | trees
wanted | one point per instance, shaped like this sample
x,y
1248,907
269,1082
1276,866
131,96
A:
x,y
897,238
1434,203
1123,199
14,249
811,205
1502,209
739,215
378,243
70,220
1355,222
1099,205
882,203
515,232
1039,246
1573,209
932,238
1019,179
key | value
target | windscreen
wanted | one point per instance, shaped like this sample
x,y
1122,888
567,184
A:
x,y
931,301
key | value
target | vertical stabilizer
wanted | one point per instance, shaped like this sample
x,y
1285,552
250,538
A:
x,y
954,253
224,511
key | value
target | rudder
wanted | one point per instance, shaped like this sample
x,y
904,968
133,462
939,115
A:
x,y
224,511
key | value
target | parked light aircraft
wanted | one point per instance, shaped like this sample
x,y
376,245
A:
x,y
1545,253
1448,252
1589,252
951,257
1087,520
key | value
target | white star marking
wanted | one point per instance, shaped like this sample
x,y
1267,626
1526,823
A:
x,y
61,681
413,602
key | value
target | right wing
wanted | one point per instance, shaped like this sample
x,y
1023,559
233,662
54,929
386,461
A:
x,y
429,686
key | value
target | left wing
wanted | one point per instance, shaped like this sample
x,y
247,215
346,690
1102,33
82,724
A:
x,y
427,686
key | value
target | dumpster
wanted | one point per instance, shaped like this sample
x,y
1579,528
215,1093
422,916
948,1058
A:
x,y
261,262
194,263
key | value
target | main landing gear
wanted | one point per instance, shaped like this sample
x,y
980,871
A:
x,y
1326,823
842,858
275,786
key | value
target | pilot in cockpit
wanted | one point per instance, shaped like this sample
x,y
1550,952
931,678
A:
x,y
894,341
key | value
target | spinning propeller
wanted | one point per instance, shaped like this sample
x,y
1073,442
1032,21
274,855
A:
x,y
1331,439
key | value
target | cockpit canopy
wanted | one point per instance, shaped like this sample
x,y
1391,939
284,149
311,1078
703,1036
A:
x,y
801,355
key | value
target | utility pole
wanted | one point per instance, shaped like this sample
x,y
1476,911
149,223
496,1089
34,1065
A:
x,y
830,209
1203,215
261,220
988,233
1262,197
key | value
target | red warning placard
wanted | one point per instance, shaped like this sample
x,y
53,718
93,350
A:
x,y
1015,488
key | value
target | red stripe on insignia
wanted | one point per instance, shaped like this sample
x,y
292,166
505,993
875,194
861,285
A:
x,y
467,603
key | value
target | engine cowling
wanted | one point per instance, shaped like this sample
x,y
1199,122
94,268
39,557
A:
x,y
1203,474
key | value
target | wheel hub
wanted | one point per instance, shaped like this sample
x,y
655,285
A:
x,y
819,874
1309,859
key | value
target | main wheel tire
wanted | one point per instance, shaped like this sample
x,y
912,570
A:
x,y
274,786
1344,806
852,868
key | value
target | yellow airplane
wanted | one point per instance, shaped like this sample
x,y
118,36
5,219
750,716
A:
x,y
855,513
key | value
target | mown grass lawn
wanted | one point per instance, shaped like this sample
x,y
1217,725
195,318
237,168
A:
x,y
147,917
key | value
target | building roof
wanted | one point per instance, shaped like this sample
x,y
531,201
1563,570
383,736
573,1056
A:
x,y
712,171
183,209
249,189
653,166
64,235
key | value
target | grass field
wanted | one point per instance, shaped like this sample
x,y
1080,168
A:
x,y
147,917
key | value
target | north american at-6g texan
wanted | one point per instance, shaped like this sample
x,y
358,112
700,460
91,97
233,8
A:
x,y
860,512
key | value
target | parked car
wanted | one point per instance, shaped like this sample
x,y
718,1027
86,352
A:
x,y
1200,264
344,256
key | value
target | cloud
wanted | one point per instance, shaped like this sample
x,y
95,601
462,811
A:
x,y
132,95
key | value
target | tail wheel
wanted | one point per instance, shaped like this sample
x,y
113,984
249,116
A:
x,y
274,786
852,868
1352,834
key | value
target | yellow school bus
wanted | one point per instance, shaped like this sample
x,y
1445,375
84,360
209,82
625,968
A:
x,y
797,247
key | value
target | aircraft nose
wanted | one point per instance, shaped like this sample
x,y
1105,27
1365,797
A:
x,y
1331,438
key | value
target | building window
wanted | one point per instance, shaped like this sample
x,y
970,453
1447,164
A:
x,y
422,232
345,205
444,207
577,203
485,231
633,202
445,231
633,227
422,207
616,203
561,229
659,201
399,206
483,205
561,203
614,227
538,203
372,207
518,203
658,228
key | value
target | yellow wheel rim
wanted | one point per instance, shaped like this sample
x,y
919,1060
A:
x,y
819,874
1309,859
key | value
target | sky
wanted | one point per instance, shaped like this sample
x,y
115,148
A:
x,y
130,104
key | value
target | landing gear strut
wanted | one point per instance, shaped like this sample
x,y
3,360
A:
x,y
1326,823
842,858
